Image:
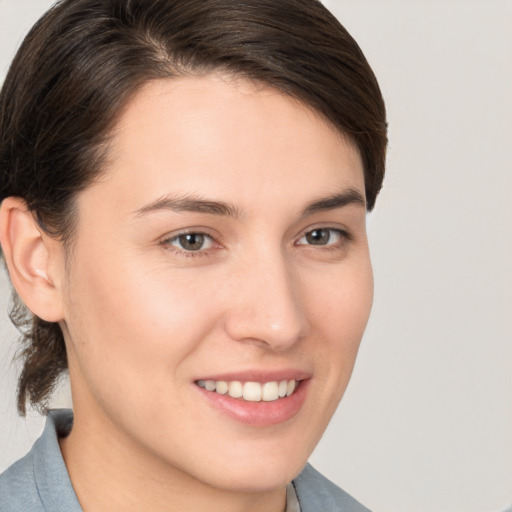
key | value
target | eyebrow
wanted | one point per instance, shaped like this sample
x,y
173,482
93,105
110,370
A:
x,y
347,197
200,205
189,204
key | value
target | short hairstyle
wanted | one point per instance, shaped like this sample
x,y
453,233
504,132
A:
x,y
84,60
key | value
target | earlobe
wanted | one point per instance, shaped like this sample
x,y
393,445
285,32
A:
x,y
28,253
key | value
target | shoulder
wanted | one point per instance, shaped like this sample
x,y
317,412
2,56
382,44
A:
x,y
318,494
39,482
18,488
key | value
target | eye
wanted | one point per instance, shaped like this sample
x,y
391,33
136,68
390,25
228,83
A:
x,y
322,236
191,242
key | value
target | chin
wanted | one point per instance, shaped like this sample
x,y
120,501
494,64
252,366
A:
x,y
256,470
257,478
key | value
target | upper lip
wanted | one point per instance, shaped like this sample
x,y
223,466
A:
x,y
260,376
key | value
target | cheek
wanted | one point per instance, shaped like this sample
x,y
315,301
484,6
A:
x,y
132,328
340,305
341,301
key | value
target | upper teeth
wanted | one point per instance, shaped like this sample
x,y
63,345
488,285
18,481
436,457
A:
x,y
251,391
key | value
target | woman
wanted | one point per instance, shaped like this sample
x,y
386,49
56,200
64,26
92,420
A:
x,y
184,188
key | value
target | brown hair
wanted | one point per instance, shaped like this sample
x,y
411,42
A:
x,y
84,59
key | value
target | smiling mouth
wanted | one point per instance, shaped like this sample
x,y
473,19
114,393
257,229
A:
x,y
251,391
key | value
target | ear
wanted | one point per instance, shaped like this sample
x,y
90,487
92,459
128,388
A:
x,y
34,261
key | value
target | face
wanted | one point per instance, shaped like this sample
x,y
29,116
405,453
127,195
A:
x,y
223,253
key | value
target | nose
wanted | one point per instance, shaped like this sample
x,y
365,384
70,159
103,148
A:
x,y
266,303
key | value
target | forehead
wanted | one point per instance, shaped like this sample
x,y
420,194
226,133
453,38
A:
x,y
219,135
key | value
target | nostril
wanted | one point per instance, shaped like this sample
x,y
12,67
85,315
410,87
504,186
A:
x,y
256,329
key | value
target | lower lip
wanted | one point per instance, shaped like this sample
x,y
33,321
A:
x,y
259,414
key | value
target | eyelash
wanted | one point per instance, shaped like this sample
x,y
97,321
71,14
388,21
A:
x,y
343,235
167,243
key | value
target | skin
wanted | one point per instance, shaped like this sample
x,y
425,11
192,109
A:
x,y
143,318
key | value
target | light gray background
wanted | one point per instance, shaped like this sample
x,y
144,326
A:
x,y
426,424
